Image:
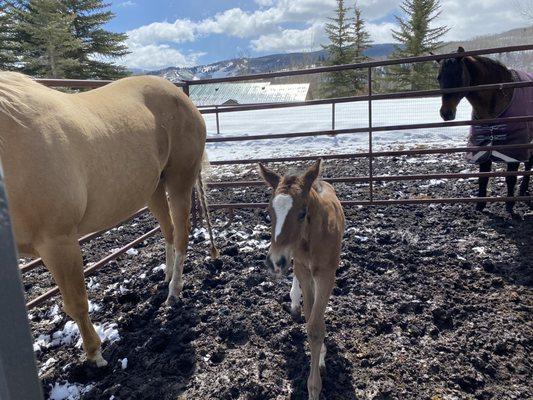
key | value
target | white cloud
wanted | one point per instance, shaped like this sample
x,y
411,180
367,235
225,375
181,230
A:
x,y
180,31
381,33
265,3
291,40
157,56
239,23
127,3
468,19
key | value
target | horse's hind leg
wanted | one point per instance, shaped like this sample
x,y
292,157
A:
x,y
483,183
180,209
158,205
511,184
62,257
524,185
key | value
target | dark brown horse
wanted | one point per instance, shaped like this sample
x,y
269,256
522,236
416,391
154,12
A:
x,y
488,104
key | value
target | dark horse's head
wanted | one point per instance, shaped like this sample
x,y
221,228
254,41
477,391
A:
x,y
453,73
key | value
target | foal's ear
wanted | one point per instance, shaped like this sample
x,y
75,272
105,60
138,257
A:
x,y
269,176
312,173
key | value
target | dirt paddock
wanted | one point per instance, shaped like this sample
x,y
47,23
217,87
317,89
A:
x,y
432,302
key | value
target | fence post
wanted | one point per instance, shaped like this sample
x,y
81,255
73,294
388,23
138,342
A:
x,y
218,120
18,373
370,156
333,116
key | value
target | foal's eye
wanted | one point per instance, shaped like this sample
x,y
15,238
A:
x,y
302,214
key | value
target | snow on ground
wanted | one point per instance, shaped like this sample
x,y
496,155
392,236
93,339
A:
x,y
247,239
318,117
70,335
68,391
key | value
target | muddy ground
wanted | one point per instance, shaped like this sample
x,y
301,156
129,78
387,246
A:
x,y
432,302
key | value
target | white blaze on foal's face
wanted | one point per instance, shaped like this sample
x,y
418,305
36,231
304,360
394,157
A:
x,y
281,204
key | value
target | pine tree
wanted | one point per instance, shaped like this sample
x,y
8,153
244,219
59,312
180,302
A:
x,y
8,44
99,47
416,38
361,43
340,51
47,43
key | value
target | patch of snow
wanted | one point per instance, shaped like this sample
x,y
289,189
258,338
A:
x,y
162,267
70,335
132,252
68,391
480,250
93,284
47,364
94,307
123,363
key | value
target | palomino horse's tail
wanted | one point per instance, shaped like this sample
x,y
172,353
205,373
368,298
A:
x,y
200,186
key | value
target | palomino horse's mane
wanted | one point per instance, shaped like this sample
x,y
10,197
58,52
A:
x,y
13,87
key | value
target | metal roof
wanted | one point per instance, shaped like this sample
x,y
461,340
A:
x,y
246,93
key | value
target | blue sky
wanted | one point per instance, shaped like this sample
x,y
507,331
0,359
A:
x,y
190,32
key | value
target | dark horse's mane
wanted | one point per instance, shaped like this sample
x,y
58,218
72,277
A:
x,y
495,70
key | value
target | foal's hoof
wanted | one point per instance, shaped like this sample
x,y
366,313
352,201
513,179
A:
x,y
99,360
480,206
171,301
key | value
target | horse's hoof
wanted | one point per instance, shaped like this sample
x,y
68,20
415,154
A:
x,y
480,206
296,313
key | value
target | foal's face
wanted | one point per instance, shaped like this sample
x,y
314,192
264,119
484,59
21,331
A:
x,y
452,74
288,214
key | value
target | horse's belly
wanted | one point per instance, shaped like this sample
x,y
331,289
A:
x,y
108,206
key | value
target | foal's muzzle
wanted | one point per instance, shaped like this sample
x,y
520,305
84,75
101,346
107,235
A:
x,y
277,266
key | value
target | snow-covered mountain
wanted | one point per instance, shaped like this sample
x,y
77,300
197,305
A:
x,y
270,63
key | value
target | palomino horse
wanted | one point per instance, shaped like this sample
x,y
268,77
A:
x,y
488,104
307,226
79,163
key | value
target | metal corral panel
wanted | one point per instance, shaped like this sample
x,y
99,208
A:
x,y
18,373
247,93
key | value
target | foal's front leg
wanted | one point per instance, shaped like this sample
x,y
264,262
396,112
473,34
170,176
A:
x,y
511,183
316,331
483,182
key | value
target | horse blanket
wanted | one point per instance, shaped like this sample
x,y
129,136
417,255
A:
x,y
506,133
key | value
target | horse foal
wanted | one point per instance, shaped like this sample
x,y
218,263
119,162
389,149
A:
x,y
307,227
